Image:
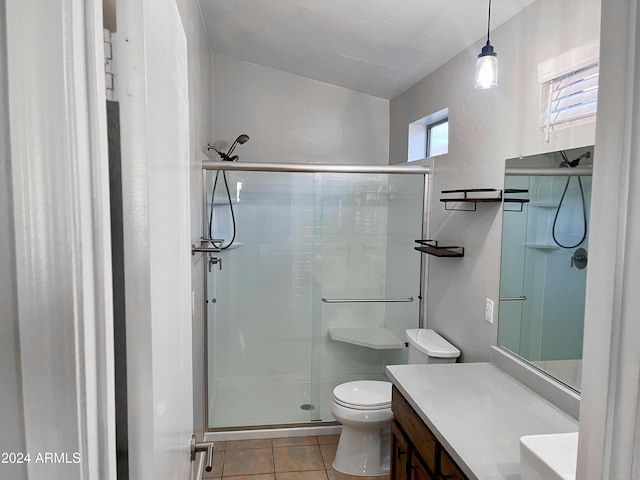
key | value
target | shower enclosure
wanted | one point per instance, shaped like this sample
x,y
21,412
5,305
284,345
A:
x,y
317,289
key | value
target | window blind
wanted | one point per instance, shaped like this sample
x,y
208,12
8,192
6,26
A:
x,y
569,93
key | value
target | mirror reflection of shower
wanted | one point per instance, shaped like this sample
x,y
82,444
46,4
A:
x,y
566,163
544,260
226,157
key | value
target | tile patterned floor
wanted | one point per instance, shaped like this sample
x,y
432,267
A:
x,y
294,458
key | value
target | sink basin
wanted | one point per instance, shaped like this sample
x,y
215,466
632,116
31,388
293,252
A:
x,y
549,457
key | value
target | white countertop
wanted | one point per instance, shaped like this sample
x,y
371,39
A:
x,y
478,413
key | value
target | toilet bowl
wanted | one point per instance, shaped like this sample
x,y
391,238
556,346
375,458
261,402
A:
x,y
364,409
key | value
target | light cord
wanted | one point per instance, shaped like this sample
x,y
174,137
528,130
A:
x,y
489,23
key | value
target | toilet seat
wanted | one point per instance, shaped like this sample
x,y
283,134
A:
x,y
363,395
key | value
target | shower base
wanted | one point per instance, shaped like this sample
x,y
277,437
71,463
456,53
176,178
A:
x,y
281,400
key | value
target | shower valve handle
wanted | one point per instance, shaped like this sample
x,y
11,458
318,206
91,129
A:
x,y
579,258
215,261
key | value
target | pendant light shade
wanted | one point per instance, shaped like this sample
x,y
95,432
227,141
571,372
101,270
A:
x,y
487,63
487,68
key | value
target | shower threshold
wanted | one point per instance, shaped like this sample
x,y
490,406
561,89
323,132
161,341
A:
x,y
269,403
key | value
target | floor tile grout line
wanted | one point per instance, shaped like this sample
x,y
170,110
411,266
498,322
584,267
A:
x,y
326,469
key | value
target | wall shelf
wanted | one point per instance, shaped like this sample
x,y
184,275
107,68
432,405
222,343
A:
x,y
431,247
470,196
377,338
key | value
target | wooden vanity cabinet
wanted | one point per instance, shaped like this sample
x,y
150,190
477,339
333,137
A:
x,y
448,468
415,452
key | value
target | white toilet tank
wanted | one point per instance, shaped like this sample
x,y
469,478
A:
x,y
426,346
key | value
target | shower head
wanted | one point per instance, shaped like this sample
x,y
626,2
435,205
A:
x,y
226,157
242,139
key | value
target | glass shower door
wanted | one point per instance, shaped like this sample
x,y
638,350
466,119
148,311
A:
x,y
301,237
260,324
367,287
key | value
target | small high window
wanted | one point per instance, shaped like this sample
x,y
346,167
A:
x,y
429,136
438,138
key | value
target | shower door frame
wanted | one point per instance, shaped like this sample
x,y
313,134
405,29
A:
x,y
299,168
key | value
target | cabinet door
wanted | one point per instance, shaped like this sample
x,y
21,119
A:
x,y
448,469
399,454
422,440
418,470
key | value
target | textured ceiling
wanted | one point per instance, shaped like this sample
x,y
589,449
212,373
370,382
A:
x,y
379,47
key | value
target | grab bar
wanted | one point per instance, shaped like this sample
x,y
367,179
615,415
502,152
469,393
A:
x,y
521,298
367,300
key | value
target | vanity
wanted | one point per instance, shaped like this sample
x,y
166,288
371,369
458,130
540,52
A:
x,y
464,421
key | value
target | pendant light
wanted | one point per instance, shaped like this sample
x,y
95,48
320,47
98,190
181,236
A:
x,y
487,63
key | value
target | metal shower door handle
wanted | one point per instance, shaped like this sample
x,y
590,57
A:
x,y
202,447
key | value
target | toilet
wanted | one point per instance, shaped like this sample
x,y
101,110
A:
x,y
363,408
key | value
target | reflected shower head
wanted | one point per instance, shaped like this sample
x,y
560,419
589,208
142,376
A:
x,y
573,163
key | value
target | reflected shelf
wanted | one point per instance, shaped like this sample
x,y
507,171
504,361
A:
x,y
515,200
543,246
544,204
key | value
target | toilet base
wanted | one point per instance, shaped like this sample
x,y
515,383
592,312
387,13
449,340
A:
x,y
363,453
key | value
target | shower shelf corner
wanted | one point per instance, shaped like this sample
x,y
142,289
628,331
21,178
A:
x,y
377,338
541,204
543,246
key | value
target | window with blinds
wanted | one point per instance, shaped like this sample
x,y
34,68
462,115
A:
x,y
569,88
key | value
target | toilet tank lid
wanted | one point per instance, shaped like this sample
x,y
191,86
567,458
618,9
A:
x,y
429,342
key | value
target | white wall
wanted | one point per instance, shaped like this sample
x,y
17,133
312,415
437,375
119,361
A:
x,y
609,442
11,412
290,118
61,243
485,128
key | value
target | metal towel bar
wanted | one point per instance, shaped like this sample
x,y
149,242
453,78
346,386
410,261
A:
x,y
367,300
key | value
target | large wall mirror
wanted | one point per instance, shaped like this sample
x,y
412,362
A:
x,y
545,251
